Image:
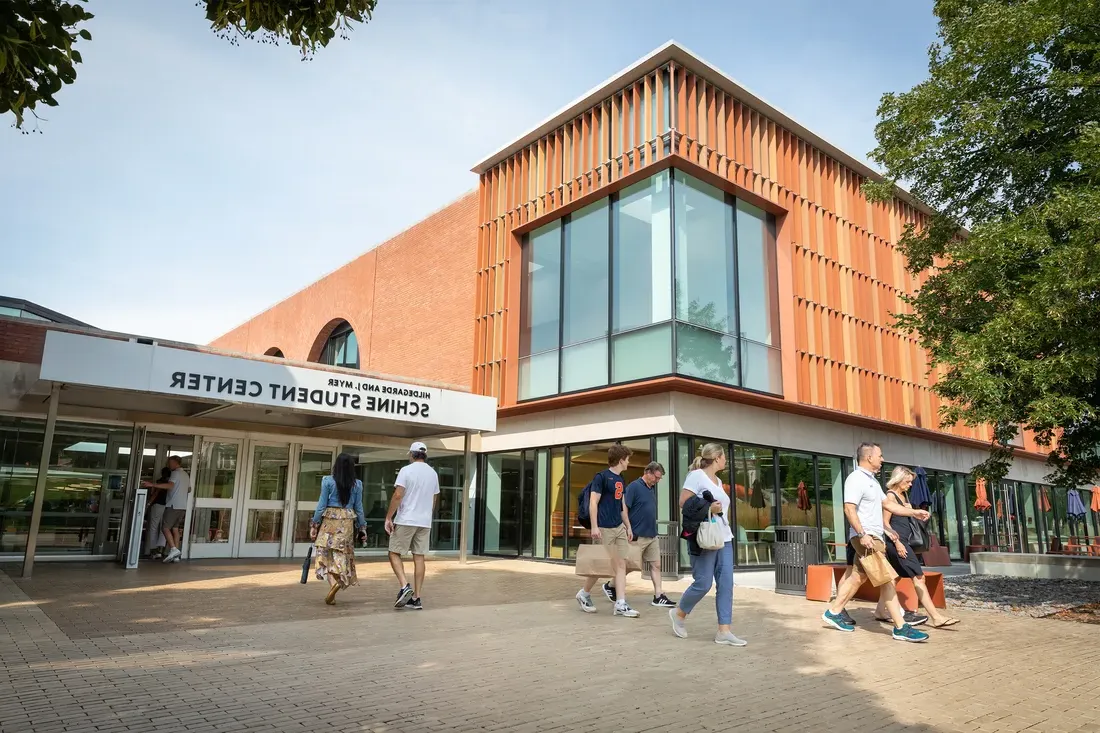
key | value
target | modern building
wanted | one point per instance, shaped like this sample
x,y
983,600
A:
x,y
667,261
257,434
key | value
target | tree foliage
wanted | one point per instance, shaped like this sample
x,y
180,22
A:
x,y
36,52
37,56
1003,139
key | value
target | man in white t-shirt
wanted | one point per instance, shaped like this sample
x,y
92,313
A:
x,y
178,487
863,499
409,522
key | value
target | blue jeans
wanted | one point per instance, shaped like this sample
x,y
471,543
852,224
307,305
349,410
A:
x,y
707,567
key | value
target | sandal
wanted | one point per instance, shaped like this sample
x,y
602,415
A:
x,y
946,623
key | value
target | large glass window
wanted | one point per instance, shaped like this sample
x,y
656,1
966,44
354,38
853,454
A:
x,y
1026,498
502,502
797,500
585,297
642,255
948,498
608,269
82,506
377,468
585,461
755,499
540,332
830,480
342,347
641,309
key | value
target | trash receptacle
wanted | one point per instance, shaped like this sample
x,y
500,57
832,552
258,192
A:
x,y
668,537
795,549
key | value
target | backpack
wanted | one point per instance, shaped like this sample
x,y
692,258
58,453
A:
x,y
583,516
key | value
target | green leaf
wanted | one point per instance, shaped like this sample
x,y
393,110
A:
x,y
85,35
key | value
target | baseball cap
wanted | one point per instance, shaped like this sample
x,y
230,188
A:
x,y
418,447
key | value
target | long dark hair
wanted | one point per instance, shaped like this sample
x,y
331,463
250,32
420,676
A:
x,y
343,473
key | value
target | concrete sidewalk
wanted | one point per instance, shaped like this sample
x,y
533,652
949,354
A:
x,y
501,646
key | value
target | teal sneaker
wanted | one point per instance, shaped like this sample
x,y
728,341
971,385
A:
x,y
837,621
908,633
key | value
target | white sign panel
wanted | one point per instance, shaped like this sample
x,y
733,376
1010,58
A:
x,y
100,362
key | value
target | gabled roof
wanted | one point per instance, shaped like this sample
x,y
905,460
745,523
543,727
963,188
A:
x,y
674,52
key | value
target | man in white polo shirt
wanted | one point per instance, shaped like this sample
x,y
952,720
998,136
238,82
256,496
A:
x,y
409,522
863,499
175,509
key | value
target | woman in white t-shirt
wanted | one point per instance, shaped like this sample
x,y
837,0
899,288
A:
x,y
709,566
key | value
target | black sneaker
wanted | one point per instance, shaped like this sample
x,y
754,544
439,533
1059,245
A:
x,y
609,591
915,619
847,619
662,601
414,604
403,596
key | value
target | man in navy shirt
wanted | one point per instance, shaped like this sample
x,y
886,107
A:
x,y
640,502
609,526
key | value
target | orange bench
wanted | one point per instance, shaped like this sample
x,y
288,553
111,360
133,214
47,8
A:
x,y
819,587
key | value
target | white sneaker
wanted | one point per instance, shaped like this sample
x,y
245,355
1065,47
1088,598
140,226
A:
x,y
621,609
172,556
727,638
584,600
678,626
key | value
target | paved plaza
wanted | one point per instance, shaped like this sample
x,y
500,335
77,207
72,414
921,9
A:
x,y
501,646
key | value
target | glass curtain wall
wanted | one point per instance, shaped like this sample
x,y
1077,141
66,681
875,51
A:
x,y
831,473
754,504
668,276
515,488
85,486
641,287
377,468
768,488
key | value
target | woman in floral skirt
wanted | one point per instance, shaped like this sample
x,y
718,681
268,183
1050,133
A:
x,y
338,519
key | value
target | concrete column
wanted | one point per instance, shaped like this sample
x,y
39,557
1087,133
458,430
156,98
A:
x,y
40,486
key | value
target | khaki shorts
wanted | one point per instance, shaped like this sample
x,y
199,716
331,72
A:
x,y
173,518
651,550
614,538
406,538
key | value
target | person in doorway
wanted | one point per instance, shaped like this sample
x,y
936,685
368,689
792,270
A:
x,y
154,510
703,493
863,499
900,553
640,503
409,523
337,520
609,528
178,487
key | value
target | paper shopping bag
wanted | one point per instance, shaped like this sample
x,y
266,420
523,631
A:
x,y
594,561
874,563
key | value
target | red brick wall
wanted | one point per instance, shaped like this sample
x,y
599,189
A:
x,y
21,341
410,301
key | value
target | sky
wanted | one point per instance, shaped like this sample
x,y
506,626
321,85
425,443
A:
x,y
185,184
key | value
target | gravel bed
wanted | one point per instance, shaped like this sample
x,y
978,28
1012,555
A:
x,y
1019,596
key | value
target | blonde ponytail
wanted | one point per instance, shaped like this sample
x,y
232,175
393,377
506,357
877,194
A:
x,y
710,453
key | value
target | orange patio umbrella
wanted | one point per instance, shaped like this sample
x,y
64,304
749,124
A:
x,y
982,502
1044,500
1095,499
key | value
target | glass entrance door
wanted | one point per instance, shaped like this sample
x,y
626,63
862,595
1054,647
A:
x,y
265,501
216,478
313,465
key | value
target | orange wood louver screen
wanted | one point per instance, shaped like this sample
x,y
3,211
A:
x,y
846,276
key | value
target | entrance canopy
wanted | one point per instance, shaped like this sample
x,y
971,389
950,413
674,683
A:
x,y
180,383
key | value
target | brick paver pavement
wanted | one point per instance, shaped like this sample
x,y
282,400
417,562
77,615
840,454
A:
x,y
501,646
